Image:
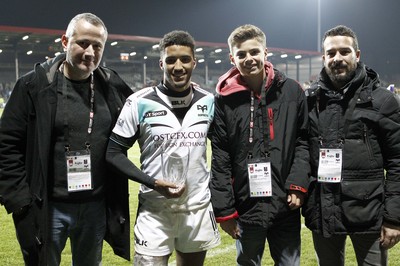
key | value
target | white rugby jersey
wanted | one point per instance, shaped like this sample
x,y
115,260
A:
x,y
160,133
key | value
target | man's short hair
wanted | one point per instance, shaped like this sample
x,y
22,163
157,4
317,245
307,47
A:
x,y
244,33
341,30
176,37
89,17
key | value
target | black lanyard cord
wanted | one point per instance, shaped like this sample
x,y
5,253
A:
x,y
345,120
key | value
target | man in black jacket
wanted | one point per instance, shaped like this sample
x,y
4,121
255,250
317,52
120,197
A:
x,y
53,137
260,162
355,157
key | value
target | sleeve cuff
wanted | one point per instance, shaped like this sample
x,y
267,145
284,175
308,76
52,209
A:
x,y
226,218
297,188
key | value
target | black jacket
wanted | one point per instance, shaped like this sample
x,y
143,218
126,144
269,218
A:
x,y
366,195
288,146
26,134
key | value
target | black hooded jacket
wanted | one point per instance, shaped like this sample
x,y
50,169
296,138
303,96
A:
x,y
369,192
286,131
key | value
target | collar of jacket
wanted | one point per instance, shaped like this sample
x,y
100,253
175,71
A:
x,y
231,82
51,66
364,76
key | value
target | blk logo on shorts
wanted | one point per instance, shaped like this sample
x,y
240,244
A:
x,y
141,242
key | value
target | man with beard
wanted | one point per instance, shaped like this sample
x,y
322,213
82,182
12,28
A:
x,y
355,157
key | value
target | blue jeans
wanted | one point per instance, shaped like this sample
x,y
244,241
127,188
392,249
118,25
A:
x,y
283,239
330,251
84,224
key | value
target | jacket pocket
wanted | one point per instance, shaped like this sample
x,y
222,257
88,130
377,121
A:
x,y
311,208
362,202
26,229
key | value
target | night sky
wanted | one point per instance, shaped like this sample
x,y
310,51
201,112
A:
x,y
291,24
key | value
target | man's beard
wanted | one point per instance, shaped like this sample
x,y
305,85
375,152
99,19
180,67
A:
x,y
339,78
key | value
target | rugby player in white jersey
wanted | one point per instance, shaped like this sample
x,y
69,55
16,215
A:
x,y
170,122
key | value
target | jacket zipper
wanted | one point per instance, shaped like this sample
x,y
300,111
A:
x,y
271,123
367,142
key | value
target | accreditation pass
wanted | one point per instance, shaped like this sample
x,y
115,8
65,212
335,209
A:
x,y
260,179
79,171
330,165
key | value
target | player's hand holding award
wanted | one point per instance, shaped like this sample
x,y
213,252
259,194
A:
x,y
175,162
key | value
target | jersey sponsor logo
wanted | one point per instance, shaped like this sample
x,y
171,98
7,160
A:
x,y
155,114
128,102
180,135
120,122
184,144
181,102
203,108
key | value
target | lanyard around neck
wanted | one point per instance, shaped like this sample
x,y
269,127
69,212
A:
x,y
65,108
265,147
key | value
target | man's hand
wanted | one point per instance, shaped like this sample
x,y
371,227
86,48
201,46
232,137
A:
x,y
231,228
295,199
168,189
390,235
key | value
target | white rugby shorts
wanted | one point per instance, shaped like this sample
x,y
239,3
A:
x,y
159,233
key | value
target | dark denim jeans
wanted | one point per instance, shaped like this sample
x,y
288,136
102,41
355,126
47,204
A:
x,y
84,224
283,239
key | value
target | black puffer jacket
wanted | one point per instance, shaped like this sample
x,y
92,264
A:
x,y
287,135
26,134
366,196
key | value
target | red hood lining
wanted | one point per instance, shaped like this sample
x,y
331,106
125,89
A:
x,y
231,82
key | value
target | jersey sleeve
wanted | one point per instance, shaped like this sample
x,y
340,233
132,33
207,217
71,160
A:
x,y
128,121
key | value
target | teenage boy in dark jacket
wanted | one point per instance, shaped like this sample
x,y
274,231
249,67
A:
x,y
260,157
58,118
354,138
